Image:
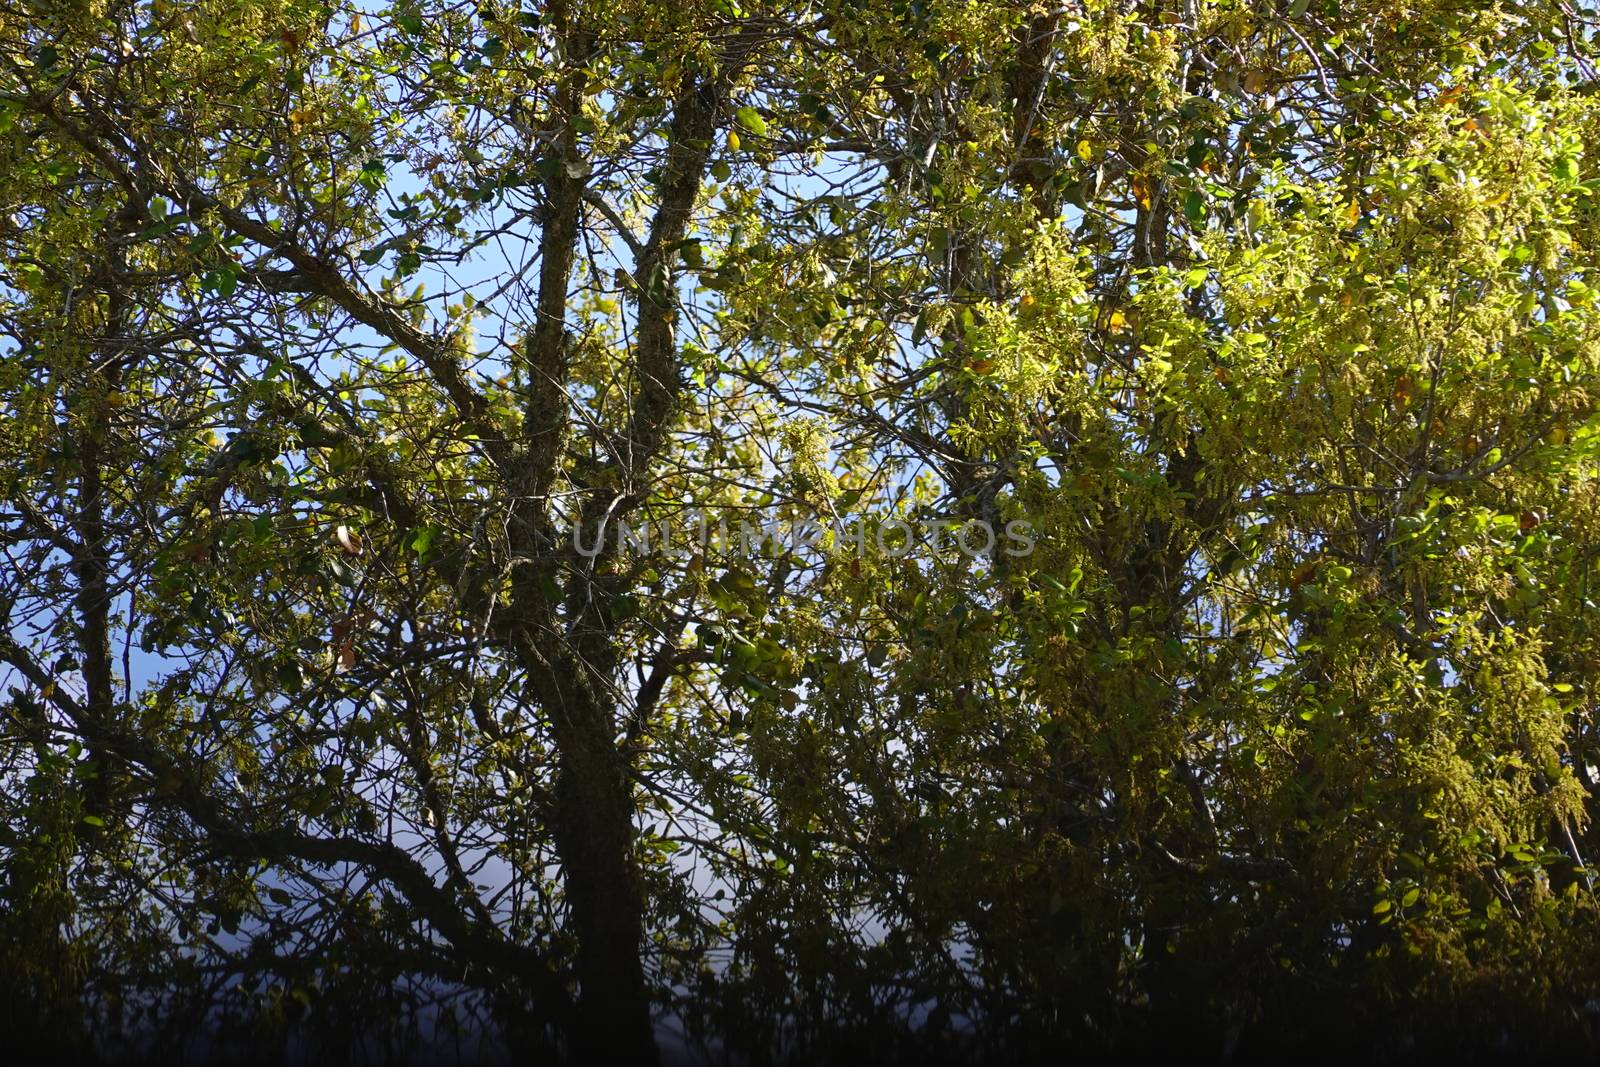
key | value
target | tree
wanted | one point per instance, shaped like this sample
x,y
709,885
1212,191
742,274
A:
x,y
1196,401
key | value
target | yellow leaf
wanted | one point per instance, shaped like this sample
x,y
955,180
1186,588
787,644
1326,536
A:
x,y
1141,190
733,141
1255,81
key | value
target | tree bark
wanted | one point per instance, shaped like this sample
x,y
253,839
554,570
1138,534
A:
x,y
594,833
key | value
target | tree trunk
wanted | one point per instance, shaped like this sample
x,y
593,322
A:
x,y
594,834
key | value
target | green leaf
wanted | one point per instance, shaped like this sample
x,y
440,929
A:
x,y
291,677
751,119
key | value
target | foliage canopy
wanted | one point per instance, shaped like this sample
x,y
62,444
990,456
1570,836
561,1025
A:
x,y
337,337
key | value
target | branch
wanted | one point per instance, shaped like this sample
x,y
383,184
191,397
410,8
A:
x,y
472,941
314,272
